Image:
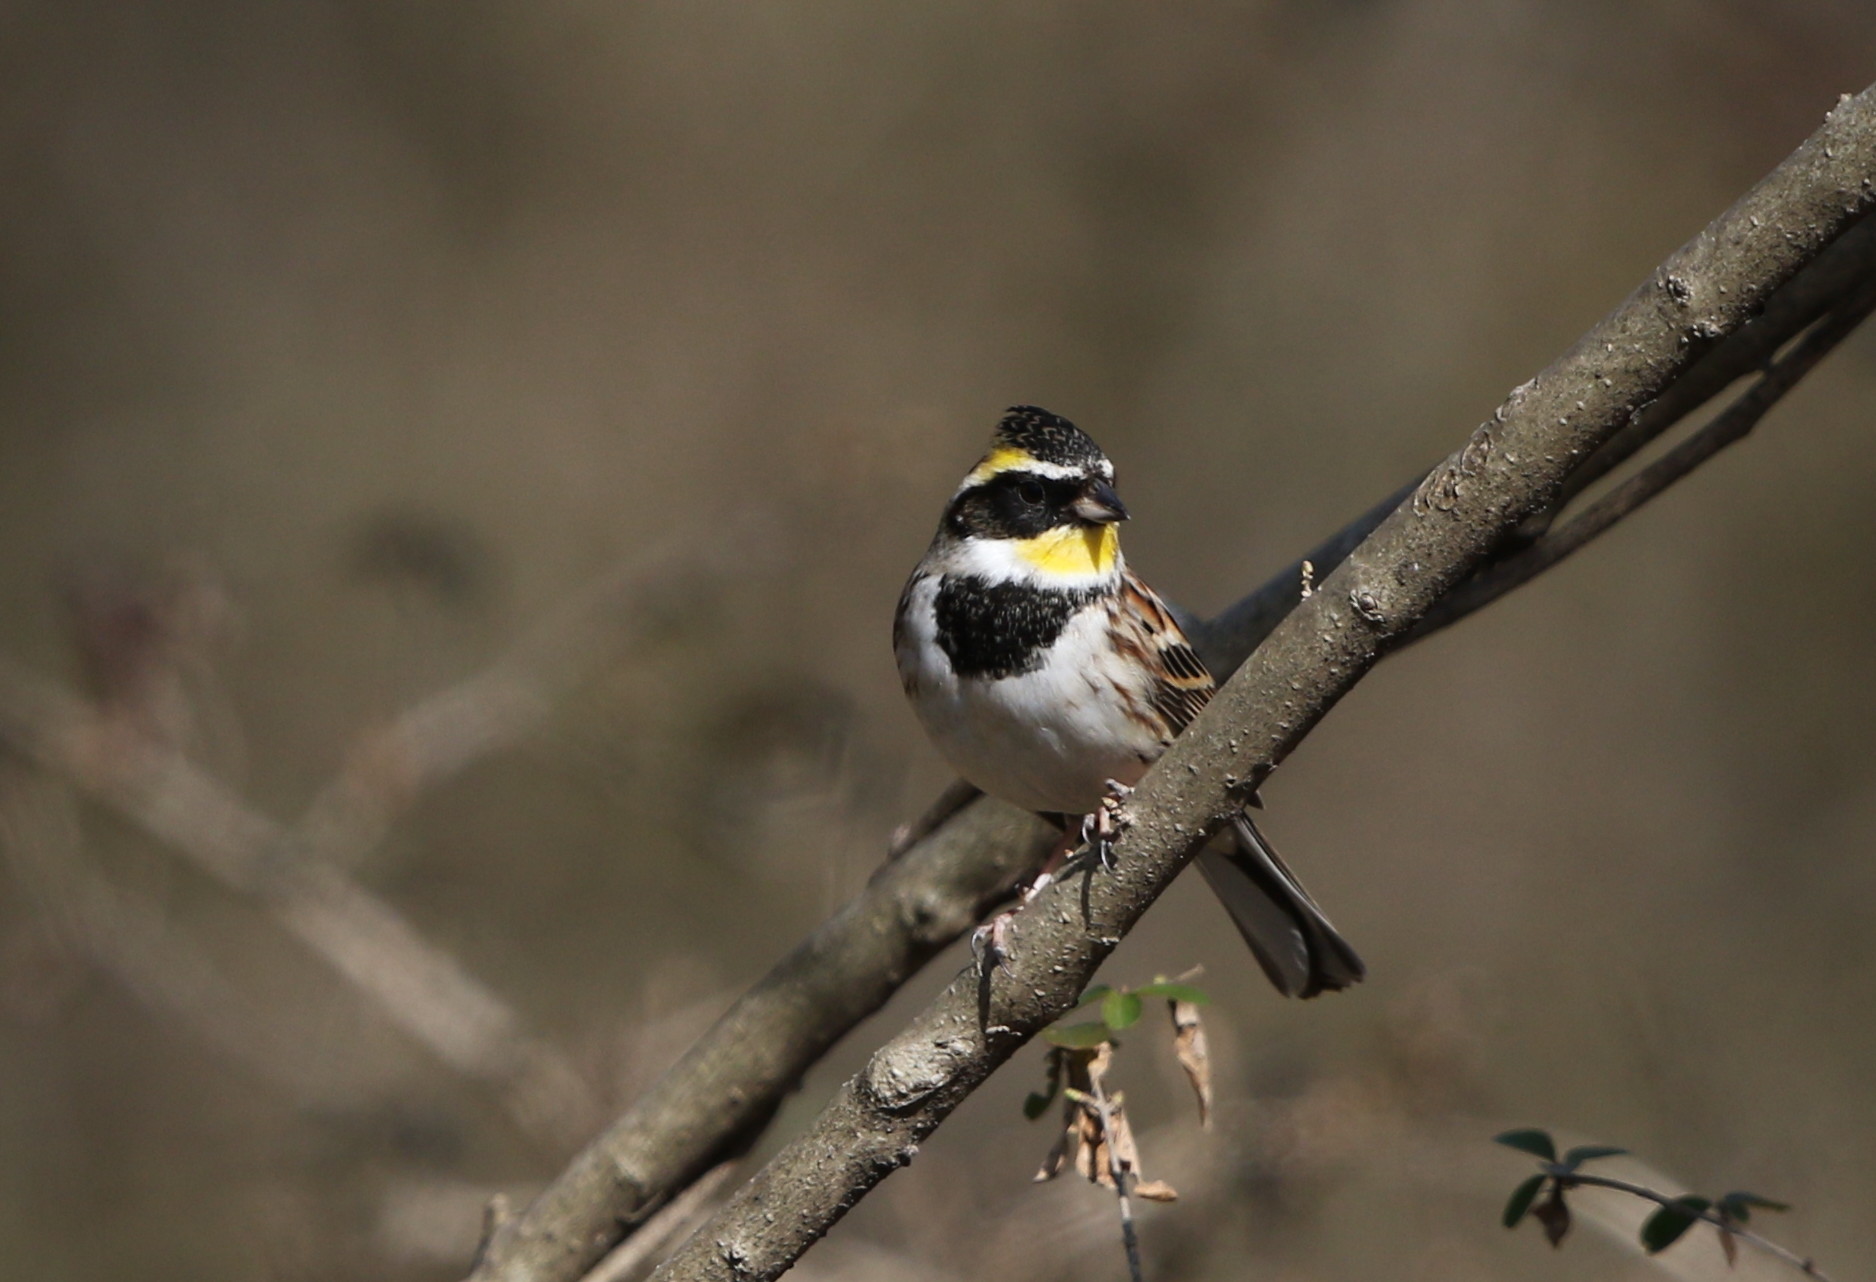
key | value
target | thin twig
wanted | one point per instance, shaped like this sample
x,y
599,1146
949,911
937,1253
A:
x,y
1824,285
419,987
677,1219
130,939
426,744
1731,425
1569,1178
1130,1239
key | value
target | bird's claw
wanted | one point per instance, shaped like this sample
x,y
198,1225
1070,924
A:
x,y
987,943
1100,828
988,939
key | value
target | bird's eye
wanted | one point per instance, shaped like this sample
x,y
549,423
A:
x,y
1030,492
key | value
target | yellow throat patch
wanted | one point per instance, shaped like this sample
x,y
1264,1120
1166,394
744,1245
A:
x,y
1072,550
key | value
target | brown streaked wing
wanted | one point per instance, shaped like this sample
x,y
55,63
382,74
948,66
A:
x,y
1181,685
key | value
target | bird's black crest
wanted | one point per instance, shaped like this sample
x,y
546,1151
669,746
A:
x,y
1046,437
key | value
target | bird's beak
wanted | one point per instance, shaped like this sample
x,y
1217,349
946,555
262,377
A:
x,y
1099,505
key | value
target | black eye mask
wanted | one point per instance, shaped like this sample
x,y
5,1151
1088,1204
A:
x,y
1014,505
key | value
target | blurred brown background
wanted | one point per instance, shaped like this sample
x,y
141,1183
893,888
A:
x,y
341,343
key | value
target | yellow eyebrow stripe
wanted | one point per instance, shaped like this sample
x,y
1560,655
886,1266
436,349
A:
x,y
1072,550
1001,459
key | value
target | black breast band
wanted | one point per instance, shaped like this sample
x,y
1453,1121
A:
x,y
1002,629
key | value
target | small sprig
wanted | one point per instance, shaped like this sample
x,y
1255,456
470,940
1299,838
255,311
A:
x,y
1541,1196
1096,1138
1121,1009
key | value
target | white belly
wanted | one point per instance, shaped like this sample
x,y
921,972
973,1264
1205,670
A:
x,y
1047,740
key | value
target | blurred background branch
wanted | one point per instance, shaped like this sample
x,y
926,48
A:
x,y
422,989
119,756
127,937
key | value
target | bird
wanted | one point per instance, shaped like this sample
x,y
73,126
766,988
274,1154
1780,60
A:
x,y
1050,675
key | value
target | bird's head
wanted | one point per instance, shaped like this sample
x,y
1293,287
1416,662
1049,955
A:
x,y
1045,494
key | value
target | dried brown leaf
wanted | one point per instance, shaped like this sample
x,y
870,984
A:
x,y
1091,1155
1120,1139
1077,1069
1097,1150
1554,1215
1194,1055
1057,1160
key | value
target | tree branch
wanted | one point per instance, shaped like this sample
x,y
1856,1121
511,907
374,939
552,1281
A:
x,y
677,1218
1733,424
131,939
1823,286
299,872
418,986
390,767
722,1092
1573,1179
1122,1177
1512,469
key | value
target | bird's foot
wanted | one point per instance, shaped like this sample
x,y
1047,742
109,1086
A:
x,y
1108,820
987,941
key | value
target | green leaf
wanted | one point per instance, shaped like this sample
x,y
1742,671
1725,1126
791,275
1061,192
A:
x,y
1735,1205
1535,1142
1173,992
1590,1152
1094,994
1521,1199
1078,1037
1664,1227
1039,1101
1120,1010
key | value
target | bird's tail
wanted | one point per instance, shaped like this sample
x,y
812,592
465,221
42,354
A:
x,y
1294,943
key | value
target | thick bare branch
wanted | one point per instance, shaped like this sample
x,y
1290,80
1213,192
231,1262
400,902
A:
x,y
1514,467
719,1095
1733,424
1823,286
